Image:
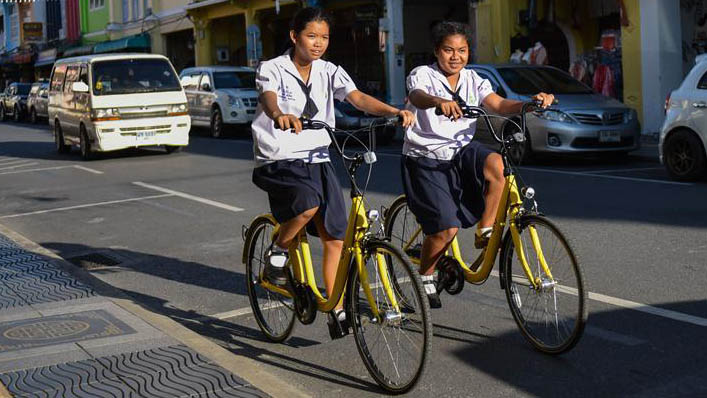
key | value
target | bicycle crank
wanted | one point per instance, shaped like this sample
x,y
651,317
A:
x,y
305,304
450,276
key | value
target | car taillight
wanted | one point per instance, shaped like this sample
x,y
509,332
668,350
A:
x,y
667,103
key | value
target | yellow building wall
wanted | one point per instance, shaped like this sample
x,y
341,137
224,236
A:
x,y
631,58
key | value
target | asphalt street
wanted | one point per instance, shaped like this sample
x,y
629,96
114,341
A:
x,y
172,223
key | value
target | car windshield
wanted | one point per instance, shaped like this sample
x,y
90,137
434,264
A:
x,y
135,75
23,89
530,81
234,79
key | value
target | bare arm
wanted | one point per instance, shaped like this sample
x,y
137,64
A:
x,y
284,121
422,100
498,104
368,104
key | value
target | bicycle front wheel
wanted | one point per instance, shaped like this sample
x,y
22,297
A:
x,y
552,314
273,312
394,346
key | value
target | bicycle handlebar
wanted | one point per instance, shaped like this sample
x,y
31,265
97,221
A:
x,y
475,112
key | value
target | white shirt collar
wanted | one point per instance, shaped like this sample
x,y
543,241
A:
x,y
439,75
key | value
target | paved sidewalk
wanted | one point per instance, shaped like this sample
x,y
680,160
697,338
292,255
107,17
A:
x,y
60,338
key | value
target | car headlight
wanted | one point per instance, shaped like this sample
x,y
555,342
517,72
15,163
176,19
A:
x,y
105,114
555,116
234,102
630,116
177,109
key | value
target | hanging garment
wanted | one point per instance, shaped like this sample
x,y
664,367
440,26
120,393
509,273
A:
x,y
604,81
538,55
578,70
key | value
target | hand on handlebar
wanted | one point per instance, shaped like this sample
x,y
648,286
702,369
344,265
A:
x,y
543,100
450,109
287,122
406,118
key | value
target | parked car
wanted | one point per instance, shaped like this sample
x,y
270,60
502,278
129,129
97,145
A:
x,y
115,101
14,101
683,137
349,118
38,101
581,122
220,96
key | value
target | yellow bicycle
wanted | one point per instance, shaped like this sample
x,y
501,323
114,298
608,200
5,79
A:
x,y
538,269
391,326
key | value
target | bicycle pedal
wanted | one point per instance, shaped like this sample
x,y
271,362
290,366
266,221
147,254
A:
x,y
337,329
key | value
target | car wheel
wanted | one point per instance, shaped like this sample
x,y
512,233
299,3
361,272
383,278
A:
x,y
216,123
521,152
85,144
684,156
17,117
33,116
172,148
61,146
3,114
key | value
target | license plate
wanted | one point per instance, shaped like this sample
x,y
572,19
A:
x,y
145,135
610,136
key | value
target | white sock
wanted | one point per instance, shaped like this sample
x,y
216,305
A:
x,y
484,232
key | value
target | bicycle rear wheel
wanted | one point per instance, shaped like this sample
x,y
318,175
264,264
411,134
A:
x,y
401,226
273,312
551,317
394,350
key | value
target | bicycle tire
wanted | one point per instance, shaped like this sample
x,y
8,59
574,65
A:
x,y
257,242
564,332
413,327
399,236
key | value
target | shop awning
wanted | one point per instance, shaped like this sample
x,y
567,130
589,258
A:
x,y
46,57
203,3
135,43
82,50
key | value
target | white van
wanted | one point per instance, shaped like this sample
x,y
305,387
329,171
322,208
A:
x,y
114,101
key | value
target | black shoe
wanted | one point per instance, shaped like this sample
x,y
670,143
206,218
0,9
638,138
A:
x,y
431,291
275,266
435,302
338,324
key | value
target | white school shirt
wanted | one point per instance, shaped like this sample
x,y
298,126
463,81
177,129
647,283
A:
x,y
280,76
438,137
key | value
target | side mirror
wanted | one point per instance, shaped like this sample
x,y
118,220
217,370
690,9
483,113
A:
x,y
206,87
79,87
187,81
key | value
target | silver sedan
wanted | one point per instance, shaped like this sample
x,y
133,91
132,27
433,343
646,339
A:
x,y
581,122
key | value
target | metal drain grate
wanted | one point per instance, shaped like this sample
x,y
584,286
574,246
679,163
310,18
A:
x,y
94,261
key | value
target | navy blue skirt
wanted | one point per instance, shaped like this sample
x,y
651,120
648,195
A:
x,y
294,186
444,194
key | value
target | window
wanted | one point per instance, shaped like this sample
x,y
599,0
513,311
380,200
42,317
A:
x,y
96,4
133,75
58,78
72,74
126,10
135,9
14,23
530,81
234,80
83,75
702,85
205,80
23,89
194,83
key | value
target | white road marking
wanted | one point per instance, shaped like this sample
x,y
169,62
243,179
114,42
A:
x,y
622,170
632,305
31,213
190,197
613,336
605,176
84,168
11,161
18,165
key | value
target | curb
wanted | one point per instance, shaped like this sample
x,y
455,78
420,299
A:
x,y
244,367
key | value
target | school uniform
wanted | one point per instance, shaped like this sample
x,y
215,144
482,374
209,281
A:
x,y
442,167
295,169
